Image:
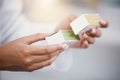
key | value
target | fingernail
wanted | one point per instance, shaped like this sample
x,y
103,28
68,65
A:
x,y
85,35
103,21
52,59
86,42
93,30
65,46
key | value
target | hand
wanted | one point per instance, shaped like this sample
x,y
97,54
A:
x,y
20,55
86,38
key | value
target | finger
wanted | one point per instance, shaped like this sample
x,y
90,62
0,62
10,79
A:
x,y
79,43
39,65
104,24
65,24
56,53
85,44
34,38
76,45
94,32
41,50
90,39
72,17
40,58
81,36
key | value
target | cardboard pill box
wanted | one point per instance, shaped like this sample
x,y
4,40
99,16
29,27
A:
x,y
84,22
62,36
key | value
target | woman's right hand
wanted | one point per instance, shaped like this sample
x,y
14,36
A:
x,y
20,55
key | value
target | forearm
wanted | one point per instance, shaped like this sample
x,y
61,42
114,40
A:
x,y
3,57
1,65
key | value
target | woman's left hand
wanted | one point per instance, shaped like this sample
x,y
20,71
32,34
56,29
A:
x,y
86,38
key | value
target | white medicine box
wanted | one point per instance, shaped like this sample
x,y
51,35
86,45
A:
x,y
62,36
85,21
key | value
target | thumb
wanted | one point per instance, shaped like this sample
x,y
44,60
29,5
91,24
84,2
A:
x,y
34,38
65,24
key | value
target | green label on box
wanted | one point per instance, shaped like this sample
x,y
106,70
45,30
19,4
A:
x,y
69,35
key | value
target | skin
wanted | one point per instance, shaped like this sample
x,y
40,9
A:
x,y
20,55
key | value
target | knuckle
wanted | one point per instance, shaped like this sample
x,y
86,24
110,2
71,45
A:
x,y
48,56
27,61
46,50
38,35
51,55
25,50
